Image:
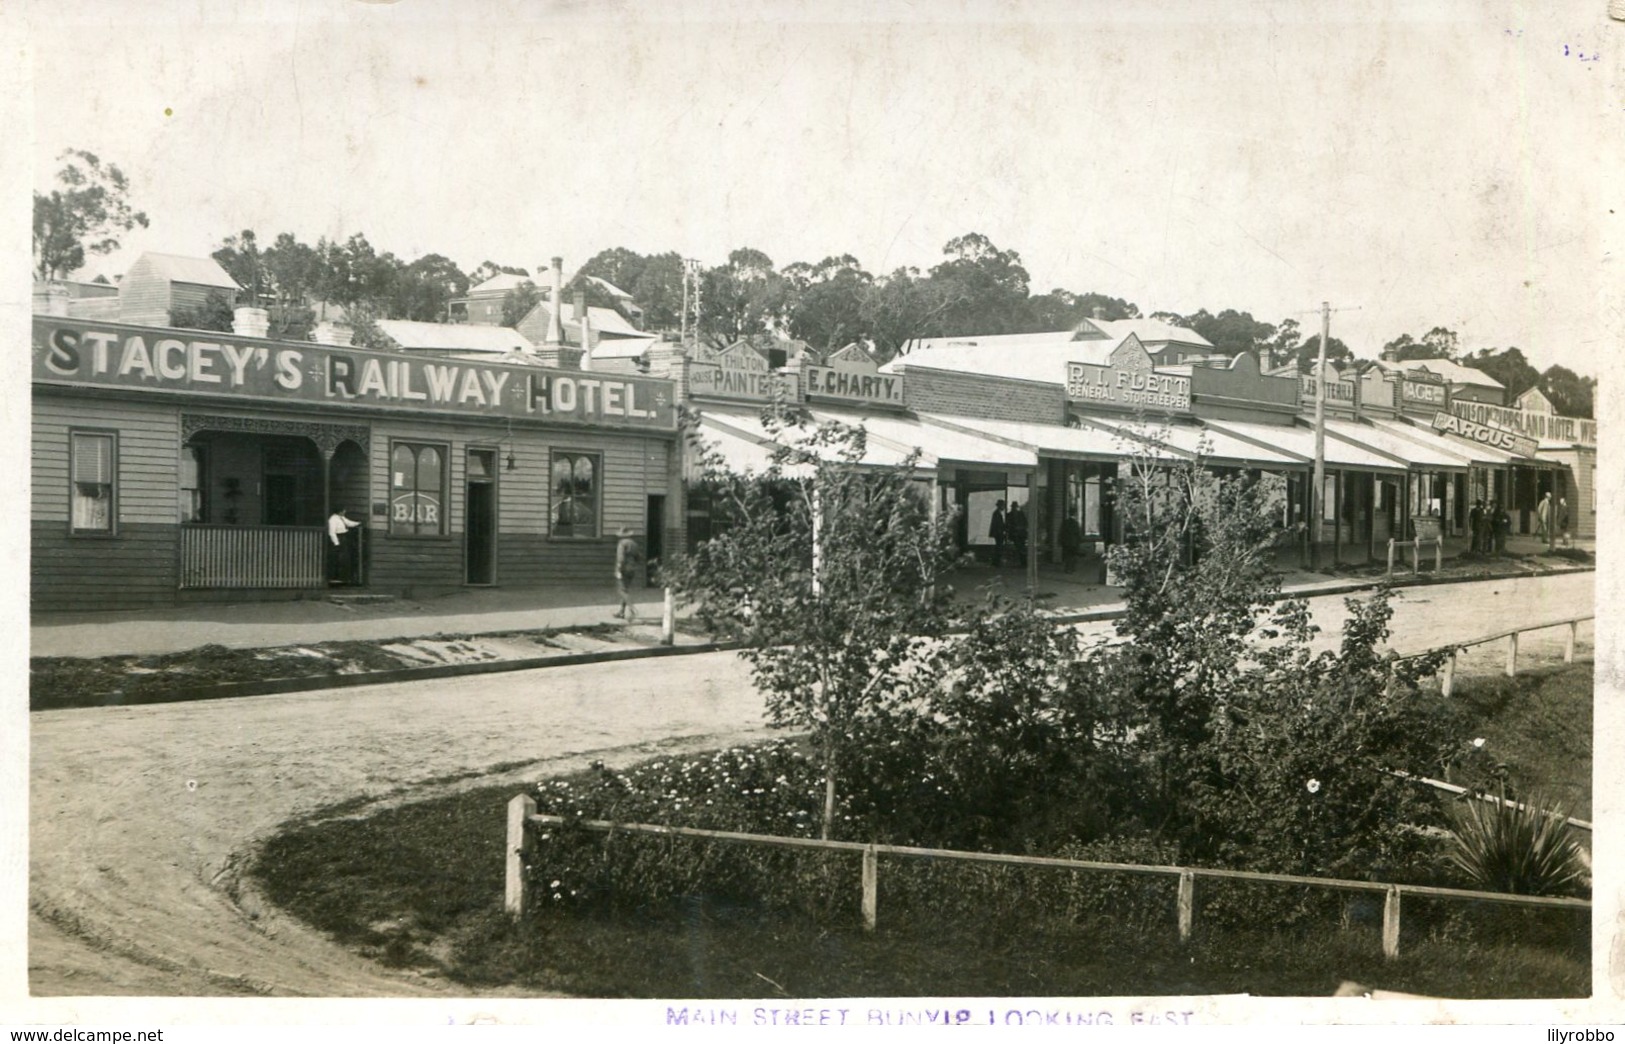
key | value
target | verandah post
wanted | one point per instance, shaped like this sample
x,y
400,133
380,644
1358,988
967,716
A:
x,y
1187,904
668,618
871,874
520,847
1390,558
1390,924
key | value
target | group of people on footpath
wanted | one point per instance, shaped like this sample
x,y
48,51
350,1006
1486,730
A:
x,y
1489,527
1008,527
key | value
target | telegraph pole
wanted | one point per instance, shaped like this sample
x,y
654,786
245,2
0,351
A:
x,y
1316,494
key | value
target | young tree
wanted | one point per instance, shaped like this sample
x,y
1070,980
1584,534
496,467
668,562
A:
x,y
1571,394
834,573
85,216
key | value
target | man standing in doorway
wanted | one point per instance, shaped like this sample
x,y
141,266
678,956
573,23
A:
x,y
1015,528
342,557
1561,522
996,529
626,560
1071,541
1475,519
1543,518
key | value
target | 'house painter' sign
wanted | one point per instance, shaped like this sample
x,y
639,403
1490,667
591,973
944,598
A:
x,y
852,375
1129,380
1484,435
190,363
736,372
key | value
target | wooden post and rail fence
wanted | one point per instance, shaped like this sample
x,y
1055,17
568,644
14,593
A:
x,y
524,822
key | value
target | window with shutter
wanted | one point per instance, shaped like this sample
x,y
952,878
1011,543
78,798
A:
x,y
92,467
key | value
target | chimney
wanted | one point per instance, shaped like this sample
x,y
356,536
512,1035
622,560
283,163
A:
x,y
248,321
50,299
555,323
332,332
584,321
1099,311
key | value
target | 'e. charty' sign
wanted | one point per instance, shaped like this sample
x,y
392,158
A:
x,y
66,352
852,383
1484,434
1129,380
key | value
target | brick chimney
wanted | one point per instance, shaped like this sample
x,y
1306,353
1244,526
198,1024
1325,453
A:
x,y
555,322
584,323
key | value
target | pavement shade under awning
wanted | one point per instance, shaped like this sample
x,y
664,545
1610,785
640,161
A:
x,y
1049,440
1208,442
1300,443
935,443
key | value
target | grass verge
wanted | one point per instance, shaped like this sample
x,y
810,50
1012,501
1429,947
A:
x,y
420,885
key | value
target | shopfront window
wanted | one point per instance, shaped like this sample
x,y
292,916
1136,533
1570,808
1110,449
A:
x,y
575,495
417,489
93,464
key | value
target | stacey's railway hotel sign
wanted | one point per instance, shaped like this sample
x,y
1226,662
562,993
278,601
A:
x,y
195,364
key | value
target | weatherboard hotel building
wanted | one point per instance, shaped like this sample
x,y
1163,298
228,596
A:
x,y
178,465
173,465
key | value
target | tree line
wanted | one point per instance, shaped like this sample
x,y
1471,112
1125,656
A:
x,y
976,288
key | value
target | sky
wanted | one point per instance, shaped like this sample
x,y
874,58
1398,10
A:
x,y
1414,165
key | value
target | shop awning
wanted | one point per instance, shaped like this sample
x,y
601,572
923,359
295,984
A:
x,y
1474,453
937,444
1213,444
1048,440
1299,442
1414,454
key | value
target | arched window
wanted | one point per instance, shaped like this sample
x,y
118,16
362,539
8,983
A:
x,y
417,489
575,495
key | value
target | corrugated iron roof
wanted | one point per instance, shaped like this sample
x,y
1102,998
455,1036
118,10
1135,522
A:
x,y
461,337
201,271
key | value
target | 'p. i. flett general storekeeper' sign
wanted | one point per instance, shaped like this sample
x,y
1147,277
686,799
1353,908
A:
x,y
69,352
1129,380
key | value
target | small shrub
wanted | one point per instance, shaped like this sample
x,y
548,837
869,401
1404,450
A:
x,y
1526,849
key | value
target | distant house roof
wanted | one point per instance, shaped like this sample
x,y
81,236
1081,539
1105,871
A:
x,y
1151,332
607,324
1453,372
500,283
610,288
1031,360
454,337
200,271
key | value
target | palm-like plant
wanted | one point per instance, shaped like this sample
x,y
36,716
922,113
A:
x,y
1526,849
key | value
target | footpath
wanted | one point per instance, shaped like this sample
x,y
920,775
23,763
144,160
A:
x,y
209,650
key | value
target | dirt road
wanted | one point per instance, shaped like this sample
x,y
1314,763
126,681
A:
x,y
140,817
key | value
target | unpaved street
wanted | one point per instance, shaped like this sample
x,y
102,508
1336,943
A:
x,y
140,816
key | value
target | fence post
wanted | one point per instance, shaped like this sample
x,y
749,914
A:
x,y
668,619
1390,924
1187,904
1390,558
1512,654
1438,554
520,847
1568,643
871,872
1449,681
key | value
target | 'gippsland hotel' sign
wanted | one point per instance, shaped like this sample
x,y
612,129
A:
x,y
82,354
1530,423
1129,380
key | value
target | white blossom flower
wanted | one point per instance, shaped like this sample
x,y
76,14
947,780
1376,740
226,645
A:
x,y
1313,786
1479,742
